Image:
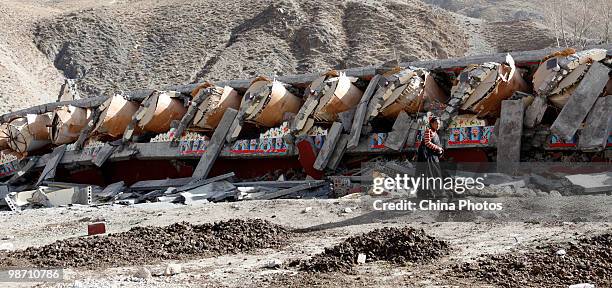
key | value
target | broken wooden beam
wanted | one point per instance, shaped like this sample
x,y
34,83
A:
x,y
581,101
399,134
535,112
594,136
510,132
215,145
360,112
49,107
51,166
338,153
103,154
285,192
333,135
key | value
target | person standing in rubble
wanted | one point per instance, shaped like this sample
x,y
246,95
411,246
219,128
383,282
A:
x,y
428,159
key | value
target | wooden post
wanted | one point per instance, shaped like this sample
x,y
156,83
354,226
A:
x,y
535,112
50,167
214,146
510,133
581,101
333,135
399,134
338,152
103,154
360,112
594,136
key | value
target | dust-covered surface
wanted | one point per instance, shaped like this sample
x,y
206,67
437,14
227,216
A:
x,y
395,245
146,245
554,265
324,225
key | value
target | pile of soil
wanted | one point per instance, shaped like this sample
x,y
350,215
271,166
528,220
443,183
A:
x,y
396,245
588,261
145,245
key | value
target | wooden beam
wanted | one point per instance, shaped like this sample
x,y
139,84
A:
x,y
288,191
535,112
339,151
360,112
103,154
581,101
49,107
51,166
399,134
215,145
594,136
333,135
91,124
510,133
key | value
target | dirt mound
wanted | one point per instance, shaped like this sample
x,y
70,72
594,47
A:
x,y
588,261
117,47
396,245
141,245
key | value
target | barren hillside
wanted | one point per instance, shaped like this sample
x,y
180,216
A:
x,y
116,45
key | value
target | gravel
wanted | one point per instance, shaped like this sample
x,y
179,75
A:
x,y
144,245
396,245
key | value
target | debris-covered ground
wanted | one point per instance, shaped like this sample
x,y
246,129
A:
x,y
550,265
316,225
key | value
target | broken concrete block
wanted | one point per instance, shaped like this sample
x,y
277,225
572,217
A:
x,y
592,183
172,269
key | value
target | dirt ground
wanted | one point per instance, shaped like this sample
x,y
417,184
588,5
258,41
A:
x,y
325,224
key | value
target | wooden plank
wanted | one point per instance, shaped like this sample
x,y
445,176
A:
x,y
333,135
91,124
159,184
202,182
215,145
25,169
535,112
399,134
103,154
49,107
288,191
509,136
360,112
581,101
277,184
51,166
339,151
594,136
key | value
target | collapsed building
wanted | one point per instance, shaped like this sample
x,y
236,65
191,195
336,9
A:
x,y
530,102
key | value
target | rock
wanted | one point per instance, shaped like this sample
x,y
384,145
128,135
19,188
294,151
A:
x,y
172,269
348,210
307,209
582,285
8,237
274,263
361,258
555,193
7,247
143,273
560,252
542,194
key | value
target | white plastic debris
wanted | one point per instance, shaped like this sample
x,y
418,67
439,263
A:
x,y
361,258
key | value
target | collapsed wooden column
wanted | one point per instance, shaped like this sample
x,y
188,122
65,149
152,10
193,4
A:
x,y
115,116
214,146
594,136
581,101
509,136
29,133
67,123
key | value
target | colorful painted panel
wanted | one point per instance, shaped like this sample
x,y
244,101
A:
x,y
555,141
8,168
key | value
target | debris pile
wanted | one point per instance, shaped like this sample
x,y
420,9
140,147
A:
x,y
146,245
587,261
396,245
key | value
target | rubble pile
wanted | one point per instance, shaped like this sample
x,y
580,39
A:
x,y
142,245
587,261
396,245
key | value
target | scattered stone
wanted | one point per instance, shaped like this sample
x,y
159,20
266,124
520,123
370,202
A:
x,y
7,246
348,210
560,252
582,285
8,237
542,194
555,193
307,209
172,269
143,273
274,263
361,258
